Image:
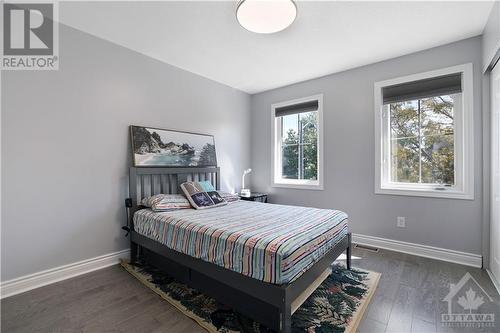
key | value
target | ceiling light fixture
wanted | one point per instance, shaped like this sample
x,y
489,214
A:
x,y
266,16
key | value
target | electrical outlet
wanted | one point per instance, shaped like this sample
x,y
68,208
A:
x,y
401,222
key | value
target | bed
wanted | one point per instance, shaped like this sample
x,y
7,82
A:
x,y
263,260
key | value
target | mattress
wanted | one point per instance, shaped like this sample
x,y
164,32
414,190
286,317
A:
x,y
271,243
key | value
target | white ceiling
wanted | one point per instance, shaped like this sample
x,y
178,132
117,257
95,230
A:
x,y
327,37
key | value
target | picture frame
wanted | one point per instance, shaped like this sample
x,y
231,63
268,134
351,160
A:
x,y
157,147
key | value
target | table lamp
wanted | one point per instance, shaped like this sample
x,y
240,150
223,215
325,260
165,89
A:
x,y
245,192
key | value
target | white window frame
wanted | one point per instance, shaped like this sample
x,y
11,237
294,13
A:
x,y
464,141
276,179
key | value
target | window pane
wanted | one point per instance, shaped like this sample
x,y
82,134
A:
x,y
404,133
290,150
299,146
289,127
309,124
404,119
290,161
422,141
405,160
437,115
438,163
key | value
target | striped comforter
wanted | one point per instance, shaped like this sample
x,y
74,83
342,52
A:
x,y
272,243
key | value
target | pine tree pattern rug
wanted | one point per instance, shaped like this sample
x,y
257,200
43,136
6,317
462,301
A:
x,y
337,305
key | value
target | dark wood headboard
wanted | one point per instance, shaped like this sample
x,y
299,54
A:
x,y
145,181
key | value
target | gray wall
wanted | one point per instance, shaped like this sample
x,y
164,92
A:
x,y
66,149
349,154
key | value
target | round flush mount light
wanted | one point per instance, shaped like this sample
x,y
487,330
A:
x,y
266,16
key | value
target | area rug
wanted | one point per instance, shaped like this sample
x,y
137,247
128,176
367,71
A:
x,y
337,305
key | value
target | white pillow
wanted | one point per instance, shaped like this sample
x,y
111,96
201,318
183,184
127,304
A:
x,y
165,202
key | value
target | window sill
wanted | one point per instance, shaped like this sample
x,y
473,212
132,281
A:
x,y
301,186
429,193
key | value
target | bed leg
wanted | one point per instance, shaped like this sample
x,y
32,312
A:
x,y
348,251
134,248
286,317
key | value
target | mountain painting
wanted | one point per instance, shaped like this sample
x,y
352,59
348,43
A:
x,y
166,148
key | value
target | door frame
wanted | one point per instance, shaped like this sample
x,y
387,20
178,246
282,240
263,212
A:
x,y
494,264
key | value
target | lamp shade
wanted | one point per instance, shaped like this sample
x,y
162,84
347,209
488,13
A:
x,y
266,16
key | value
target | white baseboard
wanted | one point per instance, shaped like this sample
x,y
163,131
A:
x,y
464,258
494,280
43,278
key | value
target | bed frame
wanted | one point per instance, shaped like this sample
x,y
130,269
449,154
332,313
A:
x,y
269,304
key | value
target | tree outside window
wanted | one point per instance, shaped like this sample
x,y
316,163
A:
x,y
422,148
300,146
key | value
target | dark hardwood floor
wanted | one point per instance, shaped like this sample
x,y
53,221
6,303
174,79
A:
x,y
408,299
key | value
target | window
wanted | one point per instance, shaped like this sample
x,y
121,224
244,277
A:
x,y
298,143
424,143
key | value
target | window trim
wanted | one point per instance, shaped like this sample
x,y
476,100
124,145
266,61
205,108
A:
x,y
464,171
277,181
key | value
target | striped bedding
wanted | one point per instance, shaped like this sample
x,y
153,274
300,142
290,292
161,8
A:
x,y
271,243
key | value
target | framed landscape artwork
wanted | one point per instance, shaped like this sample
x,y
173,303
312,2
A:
x,y
165,148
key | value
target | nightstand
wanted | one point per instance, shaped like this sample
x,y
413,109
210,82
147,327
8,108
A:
x,y
255,196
